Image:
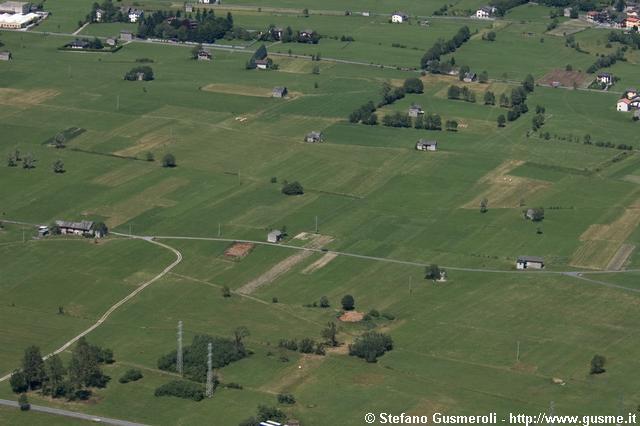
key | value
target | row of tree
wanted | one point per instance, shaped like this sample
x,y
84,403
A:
x,y
53,379
606,61
442,47
203,27
365,114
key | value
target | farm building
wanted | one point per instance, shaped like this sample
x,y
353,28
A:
x,y
17,20
277,33
632,22
485,12
111,41
78,44
605,78
308,35
203,55
529,262
262,64
314,137
5,56
279,92
99,15
126,35
470,77
274,236
415,110
399,17
19,7
425,145
84,227
623,105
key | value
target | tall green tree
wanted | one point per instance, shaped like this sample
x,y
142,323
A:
x,y
54,376
330,333
33,367
348,302
529,83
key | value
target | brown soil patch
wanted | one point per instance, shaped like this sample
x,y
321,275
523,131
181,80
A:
x,y
565,78
320,263
156,139
316,241
25,98
503,190
351,316
239,250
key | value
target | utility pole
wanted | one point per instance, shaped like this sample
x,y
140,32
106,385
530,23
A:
x,y
179,353
518,351
316,224
410,285
118,103
130,229
209,391
219,230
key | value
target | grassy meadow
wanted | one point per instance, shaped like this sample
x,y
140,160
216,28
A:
x,y
371,192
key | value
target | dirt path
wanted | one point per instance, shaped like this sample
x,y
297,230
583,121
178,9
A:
x,y
282,267
619,259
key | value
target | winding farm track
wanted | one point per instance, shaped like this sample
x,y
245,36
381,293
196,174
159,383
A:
x,y
121,302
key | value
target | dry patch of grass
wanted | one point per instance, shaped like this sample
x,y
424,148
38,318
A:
x,y
156,139
503,190
121,175
570,27
620,258
632,178
135,205
296,374
238,250
565,78
25,98
602,245
320,263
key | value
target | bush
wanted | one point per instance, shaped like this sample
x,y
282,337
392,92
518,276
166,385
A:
x,y
131,375
293,188
18,382
286,398
371,345
181,389
168,160
324,302
597,364
233,385
348,302
413,85
23,402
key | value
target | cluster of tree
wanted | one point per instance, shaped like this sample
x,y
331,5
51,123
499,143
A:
x,y
323,303
490,36
538,120
442,47
437,67
225,351
286,398
371,345
432,272
144,73
605,61
597,364
630,39
365,114
58,166
203,27
290,36
451,125
390,94
489,98
428,122
95,44
516,103
305,345
413,85
461,93
131,375
182,389
110,13
292,188
53,379
28,161
168,160
502,6
263,414
397,119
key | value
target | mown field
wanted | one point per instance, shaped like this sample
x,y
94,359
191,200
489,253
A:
x,y
371,192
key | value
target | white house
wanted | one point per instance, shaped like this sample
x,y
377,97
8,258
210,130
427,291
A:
x,y
425,145
274,236
605,78
485,12
623,104
135,15
399,17
99,14
529,262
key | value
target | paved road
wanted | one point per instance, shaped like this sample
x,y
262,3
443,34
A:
x,y
67,413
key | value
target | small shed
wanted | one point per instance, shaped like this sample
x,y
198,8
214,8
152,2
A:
x,y
279,92
262,64
111,41
274,236
203,55
5,56
415,110
529,262
84,227
425,145
470,77
314,137
126,35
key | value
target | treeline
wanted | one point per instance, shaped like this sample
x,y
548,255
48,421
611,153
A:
x,y
110,13
606,61
291,36
442,47
585,140
502,6
461,93
203,27
53,379
630,39
365,114
225,351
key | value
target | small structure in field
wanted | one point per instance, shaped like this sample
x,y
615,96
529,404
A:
x,y
485,12
399,17
351,316
529,262
415,110
5,56
43,231
262,64
470,77
274,236
425,145
203,55
279,92
126,36
605,78
314,137
84,227
111,41
78,44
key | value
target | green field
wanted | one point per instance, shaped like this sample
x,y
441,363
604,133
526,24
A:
x,y
367,189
